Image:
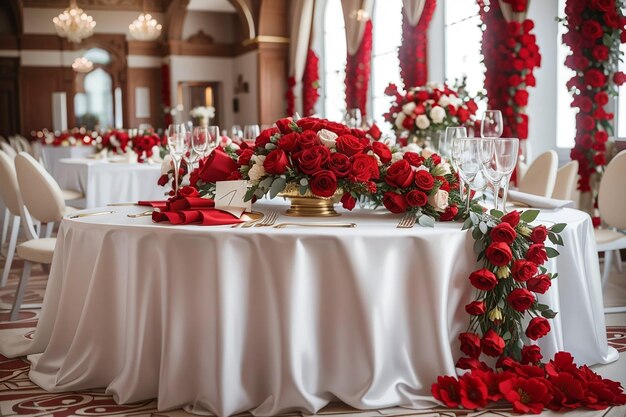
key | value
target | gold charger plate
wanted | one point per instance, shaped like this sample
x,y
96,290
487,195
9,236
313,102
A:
x,y
250,216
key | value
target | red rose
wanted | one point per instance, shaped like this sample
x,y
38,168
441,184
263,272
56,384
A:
x,y
374,132
476,308
601,136
470,344
349,145
619,78
339,164
276,162
503,232
600,52
520,299
310,124
521,98
364,167
163,179
538,327
382,151
601,98
511,218
307,140
603,5
449,214
217,167
531,354
245,156
284,125
537,253
492,344
528,395
348,201
323,183
539,234
400,174
435,158
413,158
499,253
312,159
474,393
416,198
523,270
289,141
264,138
599,159
591,29
447,390
586,122
424,180
595,78
483,279
539,284
394,202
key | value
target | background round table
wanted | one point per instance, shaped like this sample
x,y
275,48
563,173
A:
x,y
53,154
226,320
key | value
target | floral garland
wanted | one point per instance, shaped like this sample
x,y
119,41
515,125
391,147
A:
x,y
73,137
358,70
310,84
513,253
412,53
144,143
115,140
595,30
511,54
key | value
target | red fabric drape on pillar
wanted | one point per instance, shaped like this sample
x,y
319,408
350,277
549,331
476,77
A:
x,y
413,52
358,71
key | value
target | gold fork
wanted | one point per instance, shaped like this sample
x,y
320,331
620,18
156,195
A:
x,y
142,214
407,221
269,220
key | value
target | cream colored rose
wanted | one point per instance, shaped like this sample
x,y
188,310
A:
x,y
408,107
426,152
399,120
444,100
437,114
257,171
397,156
412,147
446,168
166,165
422,122
439,200
328,138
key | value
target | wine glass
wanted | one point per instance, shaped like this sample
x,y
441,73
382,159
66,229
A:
x,y
490,169
506,153
214,137
200,141
467,157
236,132
491,126
176,144
353,118
250,133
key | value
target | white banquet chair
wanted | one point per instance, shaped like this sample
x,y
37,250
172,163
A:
x,y
612,208
43,199
565,184
10,194
540,176
8,149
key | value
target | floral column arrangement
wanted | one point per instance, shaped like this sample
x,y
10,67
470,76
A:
x,y
310,84
413,49
595,30
358,71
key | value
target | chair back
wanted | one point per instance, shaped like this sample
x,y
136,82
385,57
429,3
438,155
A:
x,y
40,192
8,149
611,196
9,190
565,183
541,175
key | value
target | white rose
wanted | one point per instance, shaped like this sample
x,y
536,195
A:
x,y
446,168
426,153
444,100
420,168
439,200
408,107
327,138
397,156
437,114
114,141
399,120
257,171
422,122
166,165
412,147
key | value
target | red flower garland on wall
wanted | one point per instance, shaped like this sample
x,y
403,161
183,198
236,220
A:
x,y
595,30
413,49
310,84
511,54
358,70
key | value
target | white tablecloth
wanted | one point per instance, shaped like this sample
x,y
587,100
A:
x,y
53,154
226,320
105,182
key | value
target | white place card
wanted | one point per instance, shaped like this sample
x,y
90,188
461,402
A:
x,y
230,195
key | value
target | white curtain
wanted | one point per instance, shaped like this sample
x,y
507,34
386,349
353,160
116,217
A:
x,y
510,15
413,10
300,32
355,26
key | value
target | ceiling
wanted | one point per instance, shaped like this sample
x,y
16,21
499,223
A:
x,y
223,6
211,6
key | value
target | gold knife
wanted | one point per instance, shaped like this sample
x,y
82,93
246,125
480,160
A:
x,y
314,224
97,213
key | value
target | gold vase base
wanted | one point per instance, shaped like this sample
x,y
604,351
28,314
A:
x,y
311,207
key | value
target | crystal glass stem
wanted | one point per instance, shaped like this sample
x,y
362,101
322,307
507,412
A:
x,y
505,193
176,173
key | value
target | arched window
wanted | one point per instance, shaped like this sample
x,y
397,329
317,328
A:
x,y
387,36
98,56
99,97
334,61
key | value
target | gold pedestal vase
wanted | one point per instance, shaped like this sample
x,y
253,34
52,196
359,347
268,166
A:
x,y
308,204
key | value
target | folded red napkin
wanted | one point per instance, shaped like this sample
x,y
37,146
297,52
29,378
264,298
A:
x,y
190,210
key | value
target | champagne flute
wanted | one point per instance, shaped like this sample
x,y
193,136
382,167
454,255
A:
x,y
506,154
491,125
200,142
236,133
176,146
466,153
214,137
250,133
445,150
490,169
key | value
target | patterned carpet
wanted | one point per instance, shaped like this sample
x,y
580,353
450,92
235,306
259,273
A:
x,y
20,397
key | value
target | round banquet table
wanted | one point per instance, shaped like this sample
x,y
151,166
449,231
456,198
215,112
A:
x,y
53,154
225,320
105,182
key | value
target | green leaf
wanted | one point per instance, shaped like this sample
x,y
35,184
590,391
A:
x,y
553,238
277,186
549,314
259,193
560,240
542,307
478,246
476,233
483,228
496,213
266,182
552,253
303,189
558,228
467,224
249,194
529,215
426,221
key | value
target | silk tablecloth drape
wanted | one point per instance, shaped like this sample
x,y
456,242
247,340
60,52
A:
x,y
226,320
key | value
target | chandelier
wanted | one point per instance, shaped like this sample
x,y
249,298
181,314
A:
x,y
145,28
74,24
82,64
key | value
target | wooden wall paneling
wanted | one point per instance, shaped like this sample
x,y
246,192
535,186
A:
x,y
36,87
272,73
151,79
9,96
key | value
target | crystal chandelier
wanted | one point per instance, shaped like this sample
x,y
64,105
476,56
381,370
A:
x,y
74,24
82,64
145,28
